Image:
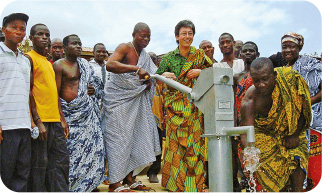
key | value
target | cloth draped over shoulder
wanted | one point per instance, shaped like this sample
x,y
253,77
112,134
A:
x,y
290,97
184,161
85,145
130,130
311,70
242,87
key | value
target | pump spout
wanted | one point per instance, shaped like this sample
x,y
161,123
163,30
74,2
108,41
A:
x,y
249,130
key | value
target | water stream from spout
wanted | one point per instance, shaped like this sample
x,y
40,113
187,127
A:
x,y
251,163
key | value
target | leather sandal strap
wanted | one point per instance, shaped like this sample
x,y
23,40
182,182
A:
x,y
125,187
136,184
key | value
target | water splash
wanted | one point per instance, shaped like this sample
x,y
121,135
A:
x,y
251,163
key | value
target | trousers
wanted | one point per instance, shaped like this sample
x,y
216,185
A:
x,y
15,157
50,161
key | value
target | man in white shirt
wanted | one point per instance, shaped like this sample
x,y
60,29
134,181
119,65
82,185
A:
x,y
99,63
15,122
226,45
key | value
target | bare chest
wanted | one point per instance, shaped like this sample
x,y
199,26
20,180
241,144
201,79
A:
x,y
263,105
71,74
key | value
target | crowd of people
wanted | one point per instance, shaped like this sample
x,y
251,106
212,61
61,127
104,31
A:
x,y
68,124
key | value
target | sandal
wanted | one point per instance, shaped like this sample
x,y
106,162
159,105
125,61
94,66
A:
x,y
124,188
139,186
106,182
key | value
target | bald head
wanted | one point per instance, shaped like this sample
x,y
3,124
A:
x,y
140,26
264,77
238,44
57,50
208,48
56,40
261,63
204,42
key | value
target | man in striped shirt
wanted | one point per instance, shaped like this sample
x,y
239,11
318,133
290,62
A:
x,y
15,122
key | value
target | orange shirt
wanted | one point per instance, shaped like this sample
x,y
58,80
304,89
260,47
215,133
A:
x,y
44,88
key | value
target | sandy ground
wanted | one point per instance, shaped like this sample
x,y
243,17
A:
x,y
145,180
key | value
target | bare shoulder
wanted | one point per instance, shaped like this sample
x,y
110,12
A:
x,y
120,53
59,64
122,48
236,77
250,93
247,108
249,97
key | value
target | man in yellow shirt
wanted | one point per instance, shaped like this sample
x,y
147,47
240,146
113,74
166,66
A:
x,y
50,157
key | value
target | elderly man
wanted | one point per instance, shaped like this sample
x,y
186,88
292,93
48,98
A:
x,y
237,48
131,135
209,49
311,70
56,50
279,107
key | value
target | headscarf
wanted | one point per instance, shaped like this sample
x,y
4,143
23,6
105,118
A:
x,y
293,37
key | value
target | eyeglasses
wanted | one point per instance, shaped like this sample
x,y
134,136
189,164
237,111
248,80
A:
x,y
185,34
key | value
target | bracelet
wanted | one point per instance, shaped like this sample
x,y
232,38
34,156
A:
x,y
137,71
37,118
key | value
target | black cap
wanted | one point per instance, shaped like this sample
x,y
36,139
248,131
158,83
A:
x,y
15,16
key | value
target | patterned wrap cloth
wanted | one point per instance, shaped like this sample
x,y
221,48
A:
x,y
242,87
130,131
184,159
85,145
311,70
290,97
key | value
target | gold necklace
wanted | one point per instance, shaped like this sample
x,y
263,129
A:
x,y
135,50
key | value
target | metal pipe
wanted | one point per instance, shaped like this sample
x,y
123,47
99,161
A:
x,y
220,164
172,83
249,130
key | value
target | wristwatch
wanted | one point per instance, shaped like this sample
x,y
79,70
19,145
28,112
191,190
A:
x,y
36,118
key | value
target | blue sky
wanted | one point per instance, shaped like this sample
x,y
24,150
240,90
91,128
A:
x,y
112,22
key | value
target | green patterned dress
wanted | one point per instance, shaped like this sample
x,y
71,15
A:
x,y
183,165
